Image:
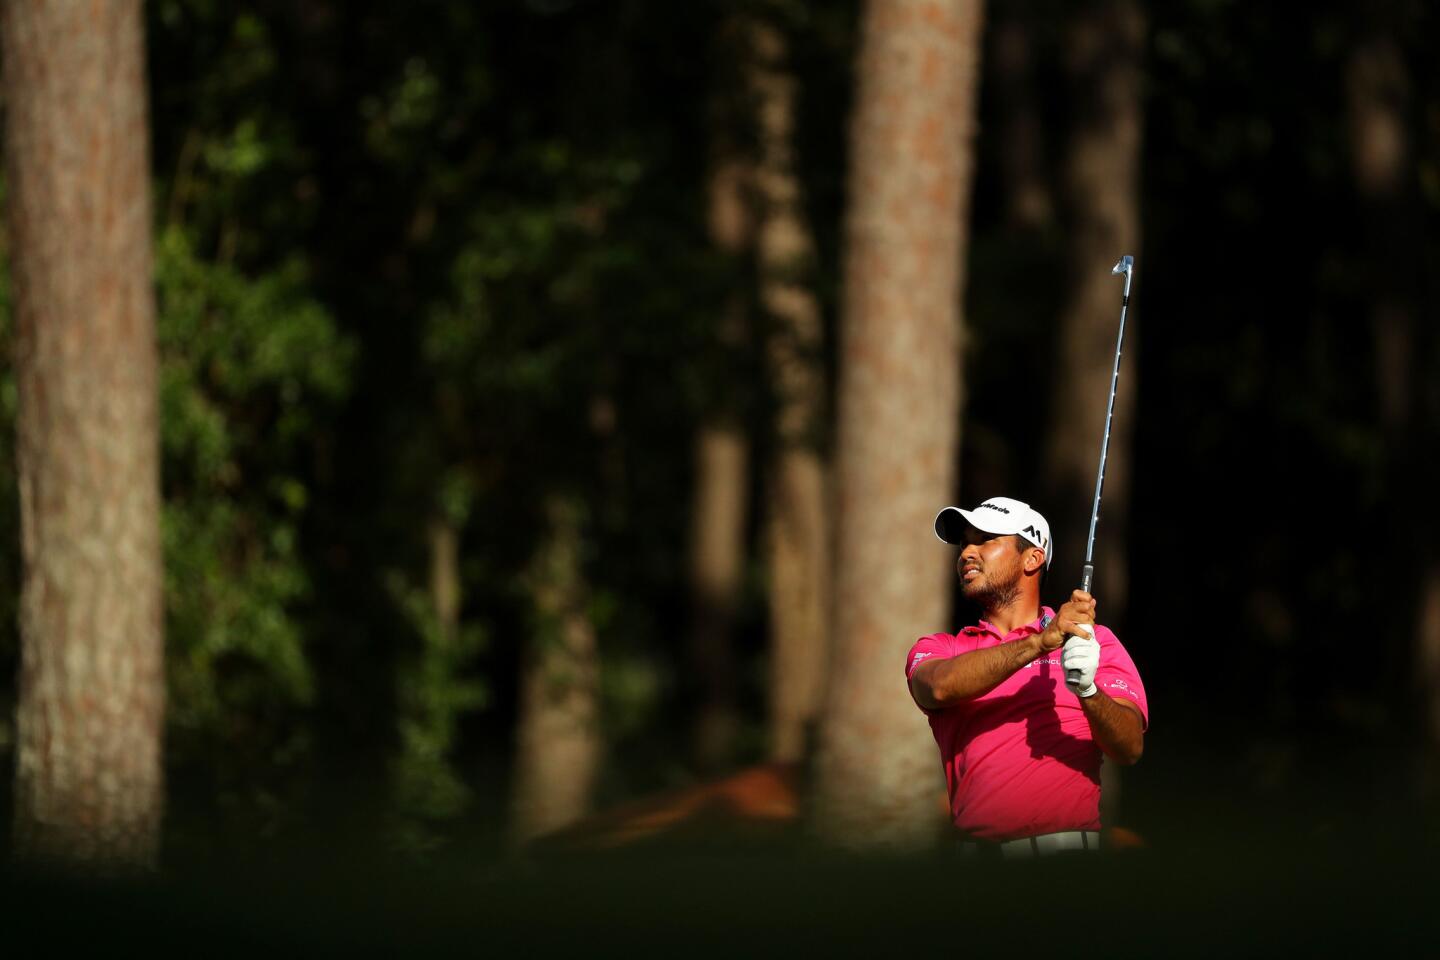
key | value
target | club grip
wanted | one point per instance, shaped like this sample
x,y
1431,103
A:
x,y
1072,677
1087,576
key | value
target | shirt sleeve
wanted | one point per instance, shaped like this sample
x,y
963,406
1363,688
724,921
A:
x,y
1117,675
937,645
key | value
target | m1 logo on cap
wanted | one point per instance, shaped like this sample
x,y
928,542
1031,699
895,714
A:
x,y
1034,534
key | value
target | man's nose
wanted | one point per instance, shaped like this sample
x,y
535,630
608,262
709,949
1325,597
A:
x,y
969,552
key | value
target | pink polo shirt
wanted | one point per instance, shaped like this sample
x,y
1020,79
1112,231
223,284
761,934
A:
x,y
1020,761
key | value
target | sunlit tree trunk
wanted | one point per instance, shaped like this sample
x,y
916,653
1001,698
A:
x,y
1379,102
877,776
717,556
796,492
720,510
445,583
1378,95
89,782
558,731
1104,42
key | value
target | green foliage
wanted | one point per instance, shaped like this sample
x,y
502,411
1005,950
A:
x,y
254,371
232,172
507,330
398,120
435,690
248,366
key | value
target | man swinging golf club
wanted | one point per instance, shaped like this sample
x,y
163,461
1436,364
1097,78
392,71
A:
x,y
1021,741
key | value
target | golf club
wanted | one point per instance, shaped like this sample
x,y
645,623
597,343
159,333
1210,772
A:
x,y
1124,266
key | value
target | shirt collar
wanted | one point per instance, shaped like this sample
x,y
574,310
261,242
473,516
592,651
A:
x,y
1034,626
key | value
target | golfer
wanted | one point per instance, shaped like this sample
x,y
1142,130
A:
x,y
1021,746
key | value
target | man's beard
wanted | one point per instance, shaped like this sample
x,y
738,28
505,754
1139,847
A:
x,y
995,594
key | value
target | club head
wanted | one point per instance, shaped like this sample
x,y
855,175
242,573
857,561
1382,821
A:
x,y
1123,265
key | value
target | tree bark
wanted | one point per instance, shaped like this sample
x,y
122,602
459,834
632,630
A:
x,y
797,494
558,731
91,695
1104,42
877,778
445,579
1377,95
720,511
717,554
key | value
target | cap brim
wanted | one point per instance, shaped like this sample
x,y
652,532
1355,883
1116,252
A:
x,y
950,524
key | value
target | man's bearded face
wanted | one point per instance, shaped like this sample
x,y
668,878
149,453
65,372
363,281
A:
x,y
990,569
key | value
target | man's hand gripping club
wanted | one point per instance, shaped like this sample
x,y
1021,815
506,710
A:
x,y
1073,628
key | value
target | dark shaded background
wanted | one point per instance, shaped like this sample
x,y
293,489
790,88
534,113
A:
x,y
365,173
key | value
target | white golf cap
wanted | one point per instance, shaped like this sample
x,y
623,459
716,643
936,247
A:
x,y
997,515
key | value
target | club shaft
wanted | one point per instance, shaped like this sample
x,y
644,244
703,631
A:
x,y
1087,574
1105,440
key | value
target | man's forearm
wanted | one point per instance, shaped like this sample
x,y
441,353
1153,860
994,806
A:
x,y
1117,729
944,683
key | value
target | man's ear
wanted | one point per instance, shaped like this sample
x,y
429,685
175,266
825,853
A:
x,y
1034,560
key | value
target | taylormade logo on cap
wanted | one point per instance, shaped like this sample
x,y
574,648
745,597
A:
x,y
1000,515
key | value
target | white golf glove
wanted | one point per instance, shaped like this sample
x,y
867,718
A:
x,y
1080,658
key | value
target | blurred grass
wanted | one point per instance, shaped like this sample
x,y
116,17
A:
x,y
1340,895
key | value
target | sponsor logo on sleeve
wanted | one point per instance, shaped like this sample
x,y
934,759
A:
x,y
921,656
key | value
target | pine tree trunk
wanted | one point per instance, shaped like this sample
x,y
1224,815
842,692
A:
x,y
1102,188
717,554
445,583
558,731
720,510
877,776
1378,95
797,495
89,783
